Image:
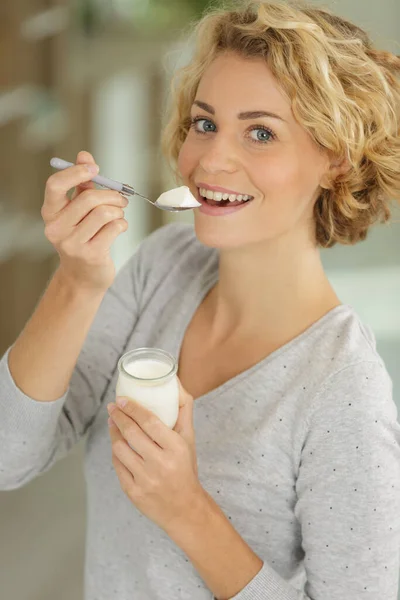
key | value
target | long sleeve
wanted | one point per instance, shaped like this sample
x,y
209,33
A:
x,y
348,491
33,435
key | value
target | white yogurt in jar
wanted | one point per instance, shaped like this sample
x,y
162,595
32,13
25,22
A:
x,y
148,376
148,368
180,197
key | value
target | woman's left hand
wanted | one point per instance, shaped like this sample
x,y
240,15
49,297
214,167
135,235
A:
x,y
160,475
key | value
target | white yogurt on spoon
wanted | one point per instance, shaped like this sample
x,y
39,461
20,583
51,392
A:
x,y
180,197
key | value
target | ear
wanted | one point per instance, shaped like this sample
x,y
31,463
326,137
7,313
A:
x,y
337,166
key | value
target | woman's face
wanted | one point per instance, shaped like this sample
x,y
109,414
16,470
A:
x,y
272,159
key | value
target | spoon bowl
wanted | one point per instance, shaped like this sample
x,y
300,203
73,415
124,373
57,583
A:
x,y
127,189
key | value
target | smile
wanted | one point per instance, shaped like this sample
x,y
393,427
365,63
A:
x,y
223,197
224,206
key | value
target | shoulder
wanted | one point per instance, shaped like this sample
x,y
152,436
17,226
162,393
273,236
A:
x,y
345,369
355,397
338,343
364,384
344,338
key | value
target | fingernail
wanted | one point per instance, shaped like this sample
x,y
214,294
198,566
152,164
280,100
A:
x,y
111,407
110,422
92,168
121,401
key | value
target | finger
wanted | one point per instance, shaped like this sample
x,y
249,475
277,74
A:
x,y
184,424
57,186
135,436
149,423
87,201
87,227
185,416
183,394
67,220
83,157
106,236
123,452
126,479
95,220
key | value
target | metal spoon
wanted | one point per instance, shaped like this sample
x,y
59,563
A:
x,y
60,164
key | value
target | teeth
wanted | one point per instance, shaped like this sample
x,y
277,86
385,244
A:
x,y
218,196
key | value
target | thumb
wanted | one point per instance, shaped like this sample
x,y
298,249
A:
x,y
184,424
83,157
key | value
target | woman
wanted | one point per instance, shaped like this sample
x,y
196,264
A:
x,y
292,487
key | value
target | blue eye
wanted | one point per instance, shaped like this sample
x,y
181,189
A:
x,y
199,120
265,135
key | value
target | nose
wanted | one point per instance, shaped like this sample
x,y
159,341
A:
x,y
219,155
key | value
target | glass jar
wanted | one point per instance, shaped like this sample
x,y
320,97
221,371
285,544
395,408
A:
x,y
148,376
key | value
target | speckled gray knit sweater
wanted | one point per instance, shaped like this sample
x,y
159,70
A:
x,y
301,451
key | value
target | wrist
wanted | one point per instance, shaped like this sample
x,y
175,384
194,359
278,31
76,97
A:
x,y
223,559
73,289
197,516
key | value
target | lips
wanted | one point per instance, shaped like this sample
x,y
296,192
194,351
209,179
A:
x,y
222,208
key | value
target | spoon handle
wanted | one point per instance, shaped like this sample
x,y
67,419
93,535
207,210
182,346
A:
x,y
124,188
60,164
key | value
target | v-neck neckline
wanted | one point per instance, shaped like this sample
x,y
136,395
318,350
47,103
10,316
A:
x,y
200,286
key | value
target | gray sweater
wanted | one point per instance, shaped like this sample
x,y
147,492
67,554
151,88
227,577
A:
x,y
301,451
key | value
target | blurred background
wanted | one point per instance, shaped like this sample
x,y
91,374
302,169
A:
x,y
93,75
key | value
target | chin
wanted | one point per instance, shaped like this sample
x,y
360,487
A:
x,y
217,235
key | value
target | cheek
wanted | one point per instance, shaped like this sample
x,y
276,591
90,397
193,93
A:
x,y
287,186
277,172
288,178
186,160
276,180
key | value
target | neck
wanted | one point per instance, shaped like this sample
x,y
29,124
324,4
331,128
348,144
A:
x,y
271,290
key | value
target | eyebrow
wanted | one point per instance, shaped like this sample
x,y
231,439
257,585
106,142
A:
x,y
250,114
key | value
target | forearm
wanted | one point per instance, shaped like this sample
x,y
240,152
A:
x,y
222,558
44,356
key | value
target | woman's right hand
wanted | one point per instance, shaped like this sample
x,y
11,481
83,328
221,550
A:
x,y
82,229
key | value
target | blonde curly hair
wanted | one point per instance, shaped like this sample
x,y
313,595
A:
x,y
343,91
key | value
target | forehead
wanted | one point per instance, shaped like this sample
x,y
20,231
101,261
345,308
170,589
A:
x,y
237,83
